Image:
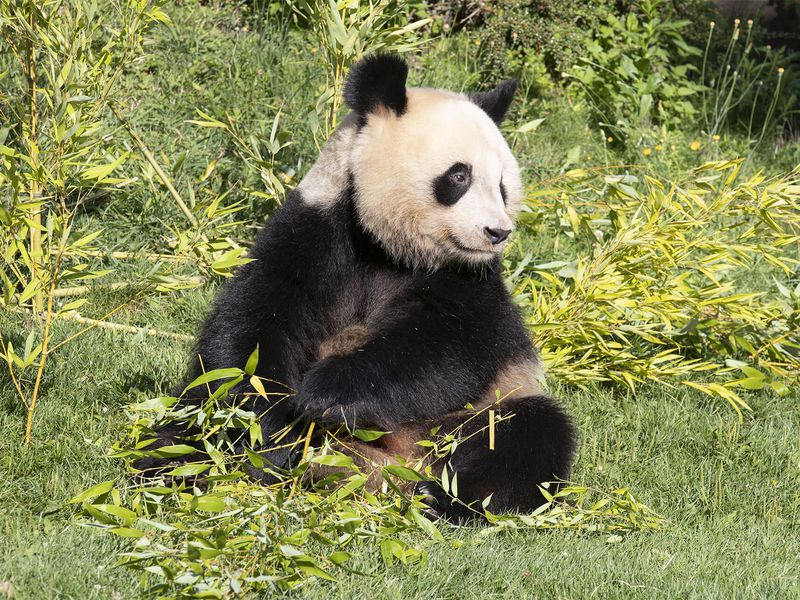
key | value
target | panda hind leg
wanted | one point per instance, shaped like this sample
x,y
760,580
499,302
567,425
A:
x,y
535,444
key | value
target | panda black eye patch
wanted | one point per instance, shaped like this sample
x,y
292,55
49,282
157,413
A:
x,y
452,184
503,192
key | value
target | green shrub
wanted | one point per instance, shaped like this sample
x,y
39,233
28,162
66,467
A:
x,y
693,282
636,73
516,34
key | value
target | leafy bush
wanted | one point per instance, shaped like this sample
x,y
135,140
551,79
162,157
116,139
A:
x,y
59,69
660,283
543,36
636,73
344,32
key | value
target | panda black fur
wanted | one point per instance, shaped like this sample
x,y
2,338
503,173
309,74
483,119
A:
x,y
376,293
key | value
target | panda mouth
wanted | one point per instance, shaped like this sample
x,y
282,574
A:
x,y
457,243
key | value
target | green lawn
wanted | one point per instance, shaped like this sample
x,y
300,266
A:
x,y
729,490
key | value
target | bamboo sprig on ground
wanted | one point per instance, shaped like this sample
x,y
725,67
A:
x,y
656,288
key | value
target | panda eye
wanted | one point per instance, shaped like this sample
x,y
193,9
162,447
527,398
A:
x,y
459,178
452,184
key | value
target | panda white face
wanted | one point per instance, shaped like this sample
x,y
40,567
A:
x,y
436,183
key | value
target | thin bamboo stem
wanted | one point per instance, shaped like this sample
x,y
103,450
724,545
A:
x,y
306,445
83,289
70,338
73,316
14,378
35,235
45,344
122,255
491,429
148,156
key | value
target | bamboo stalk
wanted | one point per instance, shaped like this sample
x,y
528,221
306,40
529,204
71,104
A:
x,y
73,316
306,445
35,241
121,255
491,429
45,345
308,440
156,167
83,289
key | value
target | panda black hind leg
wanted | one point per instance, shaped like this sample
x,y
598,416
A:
x,y
534,442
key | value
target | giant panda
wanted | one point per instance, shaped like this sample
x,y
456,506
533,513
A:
x,y
376,295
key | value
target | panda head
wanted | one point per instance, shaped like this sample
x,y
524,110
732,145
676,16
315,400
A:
x,y
435,182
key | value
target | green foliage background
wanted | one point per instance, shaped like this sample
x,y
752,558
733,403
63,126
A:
x,y
656,262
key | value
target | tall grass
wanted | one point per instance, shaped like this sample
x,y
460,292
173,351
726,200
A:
x,y
746,89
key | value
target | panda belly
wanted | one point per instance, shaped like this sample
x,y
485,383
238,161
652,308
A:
x,y
370,299
345,341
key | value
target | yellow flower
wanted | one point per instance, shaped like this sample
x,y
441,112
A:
x,y
659,148
694,146
610,139
647,151
715,138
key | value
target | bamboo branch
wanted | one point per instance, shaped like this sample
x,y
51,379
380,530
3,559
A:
x,y
156,167
84,289
111,312
73,316
129,255
13,375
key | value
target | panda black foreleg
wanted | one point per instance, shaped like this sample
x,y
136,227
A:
x,y
535,444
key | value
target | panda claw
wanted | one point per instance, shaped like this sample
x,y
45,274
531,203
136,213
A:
x,y
328,413
432,503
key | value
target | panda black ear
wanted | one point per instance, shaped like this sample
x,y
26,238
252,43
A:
x,y
496,103
377,80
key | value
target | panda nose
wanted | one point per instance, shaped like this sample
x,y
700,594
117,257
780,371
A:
x,y
496,235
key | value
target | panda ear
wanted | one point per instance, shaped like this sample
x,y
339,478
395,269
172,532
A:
x,y
377,80
496,103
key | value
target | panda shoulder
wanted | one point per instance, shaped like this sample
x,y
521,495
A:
x,y
329,177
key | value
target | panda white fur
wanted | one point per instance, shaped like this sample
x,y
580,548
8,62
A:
x,y
376,293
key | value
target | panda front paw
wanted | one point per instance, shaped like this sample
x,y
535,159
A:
x,y
330,411
332,395
312,405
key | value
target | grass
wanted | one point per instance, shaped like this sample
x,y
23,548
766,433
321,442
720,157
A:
x,y
730,491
